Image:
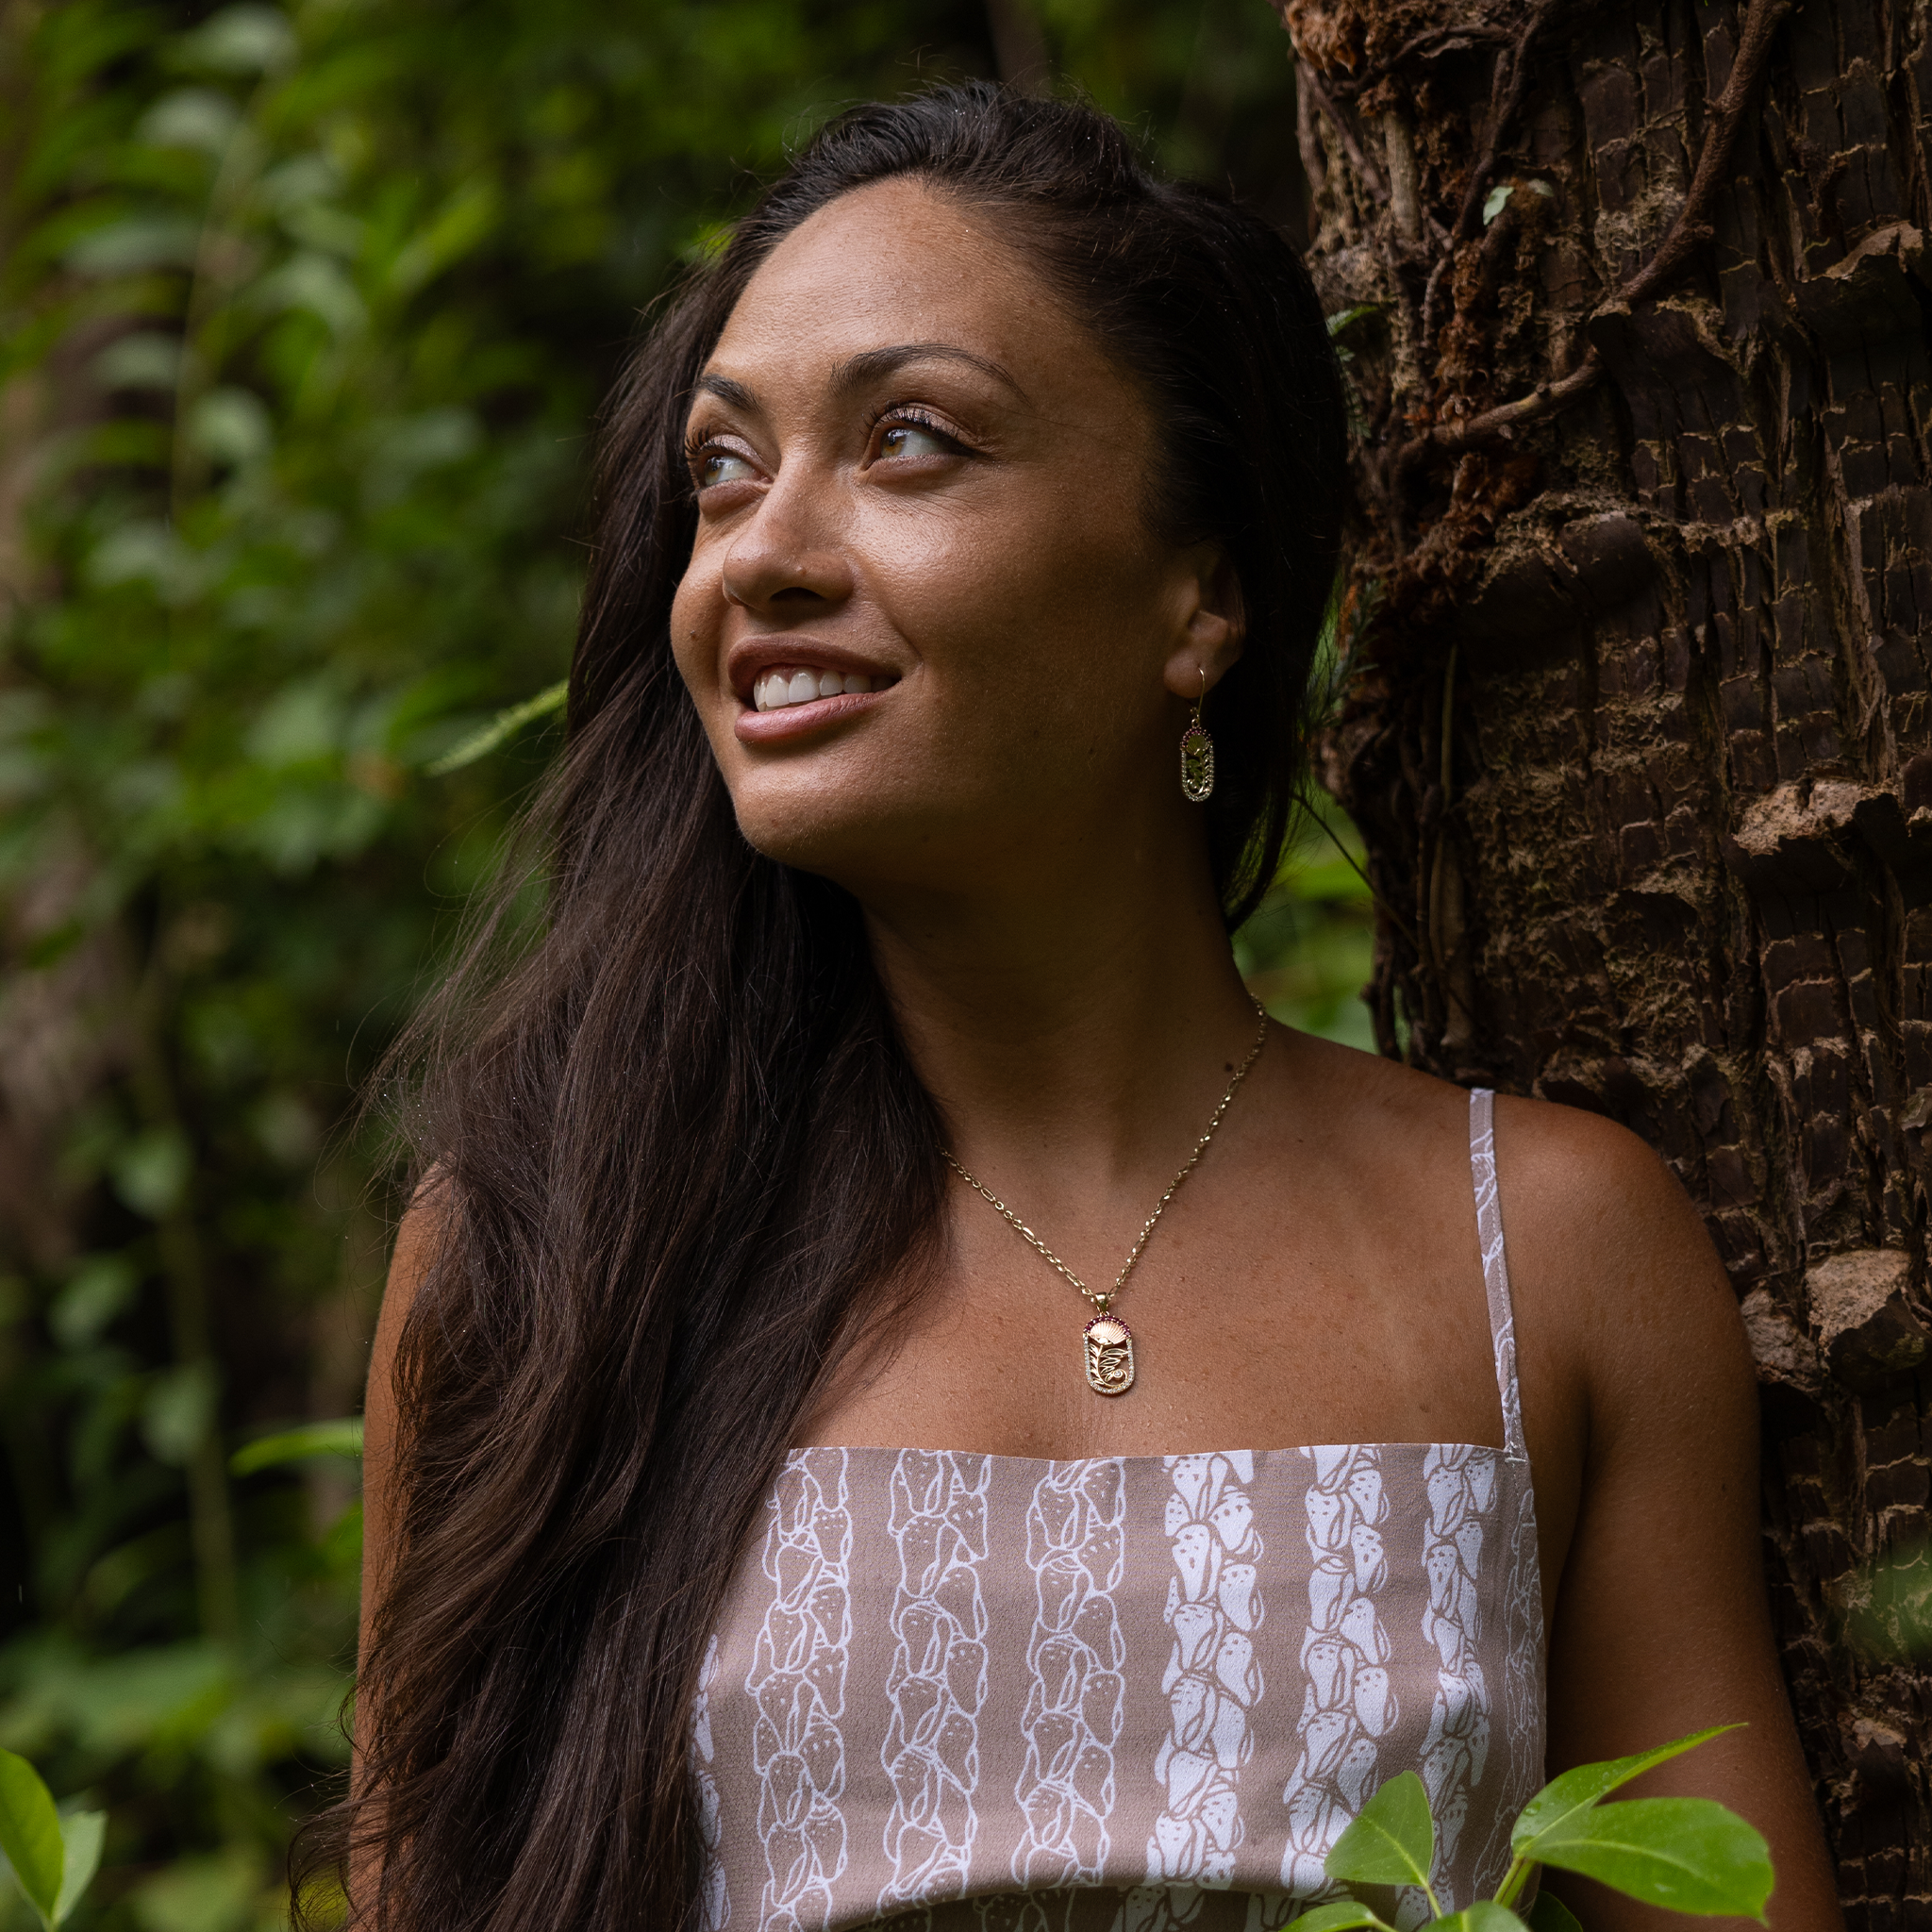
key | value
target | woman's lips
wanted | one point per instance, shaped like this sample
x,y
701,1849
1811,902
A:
x,y
780,685
799,721
780,708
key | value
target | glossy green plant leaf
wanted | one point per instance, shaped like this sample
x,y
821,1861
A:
x,y
30,1834
81,1833
1343,1916
1688,1854
343,1438
1485,1915
1391,1841
1588,1784
1550,1914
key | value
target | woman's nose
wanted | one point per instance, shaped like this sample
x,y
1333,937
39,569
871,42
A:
x,y
783,559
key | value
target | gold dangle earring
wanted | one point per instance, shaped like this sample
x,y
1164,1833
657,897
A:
x,y
1197,753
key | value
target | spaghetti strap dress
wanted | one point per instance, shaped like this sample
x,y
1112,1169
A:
x,y
1122,1693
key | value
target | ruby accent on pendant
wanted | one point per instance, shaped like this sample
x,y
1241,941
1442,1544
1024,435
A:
x,y
1109,1346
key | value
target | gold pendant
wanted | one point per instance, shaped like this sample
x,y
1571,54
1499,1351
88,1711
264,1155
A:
x,y
1197,761
1109,1356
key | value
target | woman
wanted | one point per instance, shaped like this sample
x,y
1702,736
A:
x,y
764,1530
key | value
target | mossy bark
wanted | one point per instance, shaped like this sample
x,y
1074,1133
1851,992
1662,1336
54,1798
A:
x,y
1635,723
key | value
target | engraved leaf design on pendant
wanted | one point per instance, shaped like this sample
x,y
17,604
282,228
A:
x,y
1197,763
1110,1347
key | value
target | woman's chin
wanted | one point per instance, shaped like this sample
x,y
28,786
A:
x,y
863,851
844,846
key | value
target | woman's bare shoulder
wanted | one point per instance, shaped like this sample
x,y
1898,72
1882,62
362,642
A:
x,y
1569,1179
1607,1255
1575,1181
1609,1258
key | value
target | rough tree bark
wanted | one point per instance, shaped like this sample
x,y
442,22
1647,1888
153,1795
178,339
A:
x,y
1636,720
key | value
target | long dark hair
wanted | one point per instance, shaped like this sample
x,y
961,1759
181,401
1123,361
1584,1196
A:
x,y
680,1162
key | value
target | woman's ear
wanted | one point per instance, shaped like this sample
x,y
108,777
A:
x,y
1213,628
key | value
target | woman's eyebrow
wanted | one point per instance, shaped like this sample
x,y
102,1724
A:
x,y
869,365
726,389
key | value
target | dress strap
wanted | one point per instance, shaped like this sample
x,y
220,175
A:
x,y
1489,1227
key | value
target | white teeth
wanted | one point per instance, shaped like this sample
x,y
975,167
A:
x,y
773,690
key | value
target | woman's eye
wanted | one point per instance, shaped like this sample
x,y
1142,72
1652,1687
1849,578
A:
x,y
910,440
714,466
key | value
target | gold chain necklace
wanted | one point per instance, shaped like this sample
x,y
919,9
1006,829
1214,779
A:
x,y
1106,1341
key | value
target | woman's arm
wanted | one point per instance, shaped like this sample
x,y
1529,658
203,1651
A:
x,y
1661,1622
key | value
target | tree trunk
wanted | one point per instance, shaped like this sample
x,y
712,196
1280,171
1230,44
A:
x,y
1635,716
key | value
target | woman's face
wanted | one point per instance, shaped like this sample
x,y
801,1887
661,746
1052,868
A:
x,y
930,636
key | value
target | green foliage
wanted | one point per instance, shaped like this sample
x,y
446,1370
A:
x,y
305,314
1889,1607
502,729
1686,1854
1308,948
1566,1798
1345,1915
1391,1841
1550,1914
343,1436
30,1832
53,1858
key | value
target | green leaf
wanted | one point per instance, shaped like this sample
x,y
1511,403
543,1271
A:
x,y
1392,1841
1579,1789
1485,1915
1688,1854
1893,1624
82,1833
178,1412
1345,319
505,726
342,1438
151,1171
1343,1916
30,1833
1550,1914
242,39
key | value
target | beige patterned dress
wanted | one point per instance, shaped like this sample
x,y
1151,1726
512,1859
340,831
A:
x,y
1124,1694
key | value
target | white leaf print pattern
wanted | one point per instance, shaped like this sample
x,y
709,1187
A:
x,y
714,1896
938,1679
1075,1546
1212,1681
797,1683
1523,1682
1350,1701
1460,1482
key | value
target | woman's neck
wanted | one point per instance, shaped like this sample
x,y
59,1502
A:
x,y
1076,1032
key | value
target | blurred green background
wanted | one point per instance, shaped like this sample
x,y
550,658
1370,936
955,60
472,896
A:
x,y
305,314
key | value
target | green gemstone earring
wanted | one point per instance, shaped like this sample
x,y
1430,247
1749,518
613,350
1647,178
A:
x,y
1197,754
